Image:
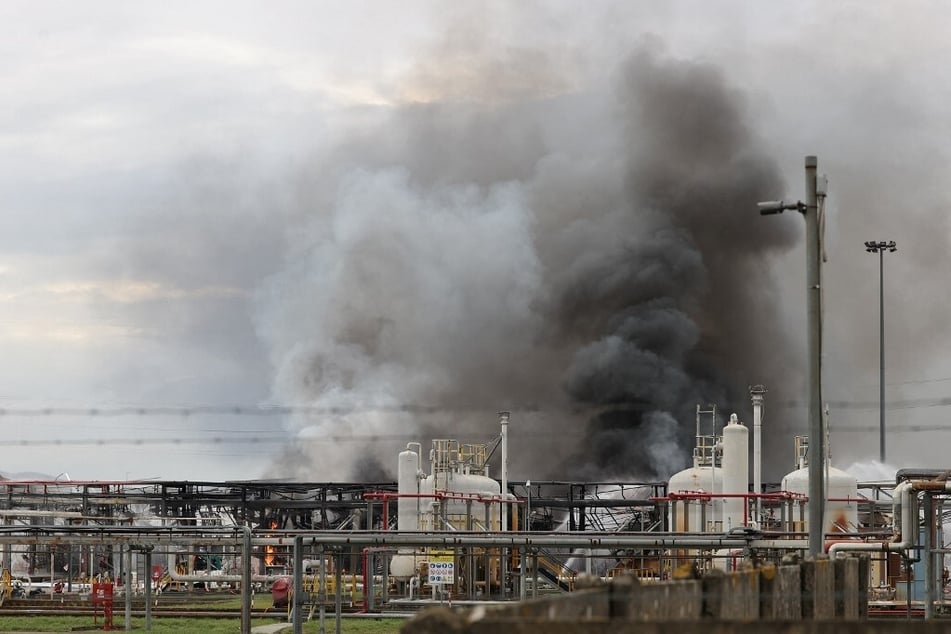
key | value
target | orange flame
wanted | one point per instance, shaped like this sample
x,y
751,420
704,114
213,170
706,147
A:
x,y
269,550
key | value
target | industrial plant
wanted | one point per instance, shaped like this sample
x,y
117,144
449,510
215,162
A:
x,y
455,529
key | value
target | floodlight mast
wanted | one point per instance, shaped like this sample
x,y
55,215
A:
x,y
880,247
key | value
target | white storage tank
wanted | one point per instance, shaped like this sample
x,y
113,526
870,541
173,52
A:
x,y
736,472
405,564
841,508
467,484
697,515
407,483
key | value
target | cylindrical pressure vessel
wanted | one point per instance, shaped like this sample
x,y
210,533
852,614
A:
x,y
698,514
407,505
841,508
736,472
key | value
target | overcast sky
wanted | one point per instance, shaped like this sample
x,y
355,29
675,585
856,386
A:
x,y
165,169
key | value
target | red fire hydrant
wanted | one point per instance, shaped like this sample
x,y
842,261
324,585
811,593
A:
x,y
102,594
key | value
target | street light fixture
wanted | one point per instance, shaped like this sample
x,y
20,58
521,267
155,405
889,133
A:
x,y
880,248
770,207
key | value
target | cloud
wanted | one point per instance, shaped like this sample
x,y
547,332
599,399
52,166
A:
x,y
275,202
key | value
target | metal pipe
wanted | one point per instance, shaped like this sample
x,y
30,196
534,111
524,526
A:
x,y
903,509
322,591
593,540
12,513
516,540
504,421
338,595
208,578
756,395
930,594
367,584
148,590
128,589
298,588
246,580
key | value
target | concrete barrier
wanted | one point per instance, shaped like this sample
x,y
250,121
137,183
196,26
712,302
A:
x,y
818,589
582,605
670,601
864,572
734,596
706,627
780,598
798,599
846,588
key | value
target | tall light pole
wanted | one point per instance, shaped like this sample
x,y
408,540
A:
x,y
817,451
880,248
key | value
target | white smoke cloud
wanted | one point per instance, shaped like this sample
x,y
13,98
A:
x,y
400,294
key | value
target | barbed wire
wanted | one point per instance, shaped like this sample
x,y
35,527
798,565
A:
x,y
206,440
314,410
891,405
218,410
279,439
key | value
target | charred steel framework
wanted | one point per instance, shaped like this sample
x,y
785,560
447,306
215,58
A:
x,y
623,517
282,505
302,505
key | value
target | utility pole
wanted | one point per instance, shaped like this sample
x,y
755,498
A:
x,y
817,448
817,442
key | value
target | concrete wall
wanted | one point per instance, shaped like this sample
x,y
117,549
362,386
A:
x,y
802,598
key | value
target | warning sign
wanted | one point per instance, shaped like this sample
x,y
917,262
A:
x,y
442,567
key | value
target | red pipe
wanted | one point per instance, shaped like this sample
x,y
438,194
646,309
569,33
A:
x,y
689,495
441,495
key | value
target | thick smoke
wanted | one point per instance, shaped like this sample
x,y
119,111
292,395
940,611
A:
x,y
588,256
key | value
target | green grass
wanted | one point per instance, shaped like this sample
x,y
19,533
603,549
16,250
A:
x,y
169,625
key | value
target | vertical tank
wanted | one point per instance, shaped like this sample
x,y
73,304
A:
x,y
699,515
407,482
405,563
696,515
736,472
841,507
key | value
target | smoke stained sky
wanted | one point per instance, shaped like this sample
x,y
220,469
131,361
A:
x,y
472,208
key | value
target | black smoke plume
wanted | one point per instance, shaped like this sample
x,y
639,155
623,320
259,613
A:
x,y
587,256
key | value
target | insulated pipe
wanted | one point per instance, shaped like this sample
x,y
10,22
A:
x,y
756,394
905,497
512,540
903,508
438,539
207,578
298,596
246,580
12,513
504,421
127,578
148,590
504,520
